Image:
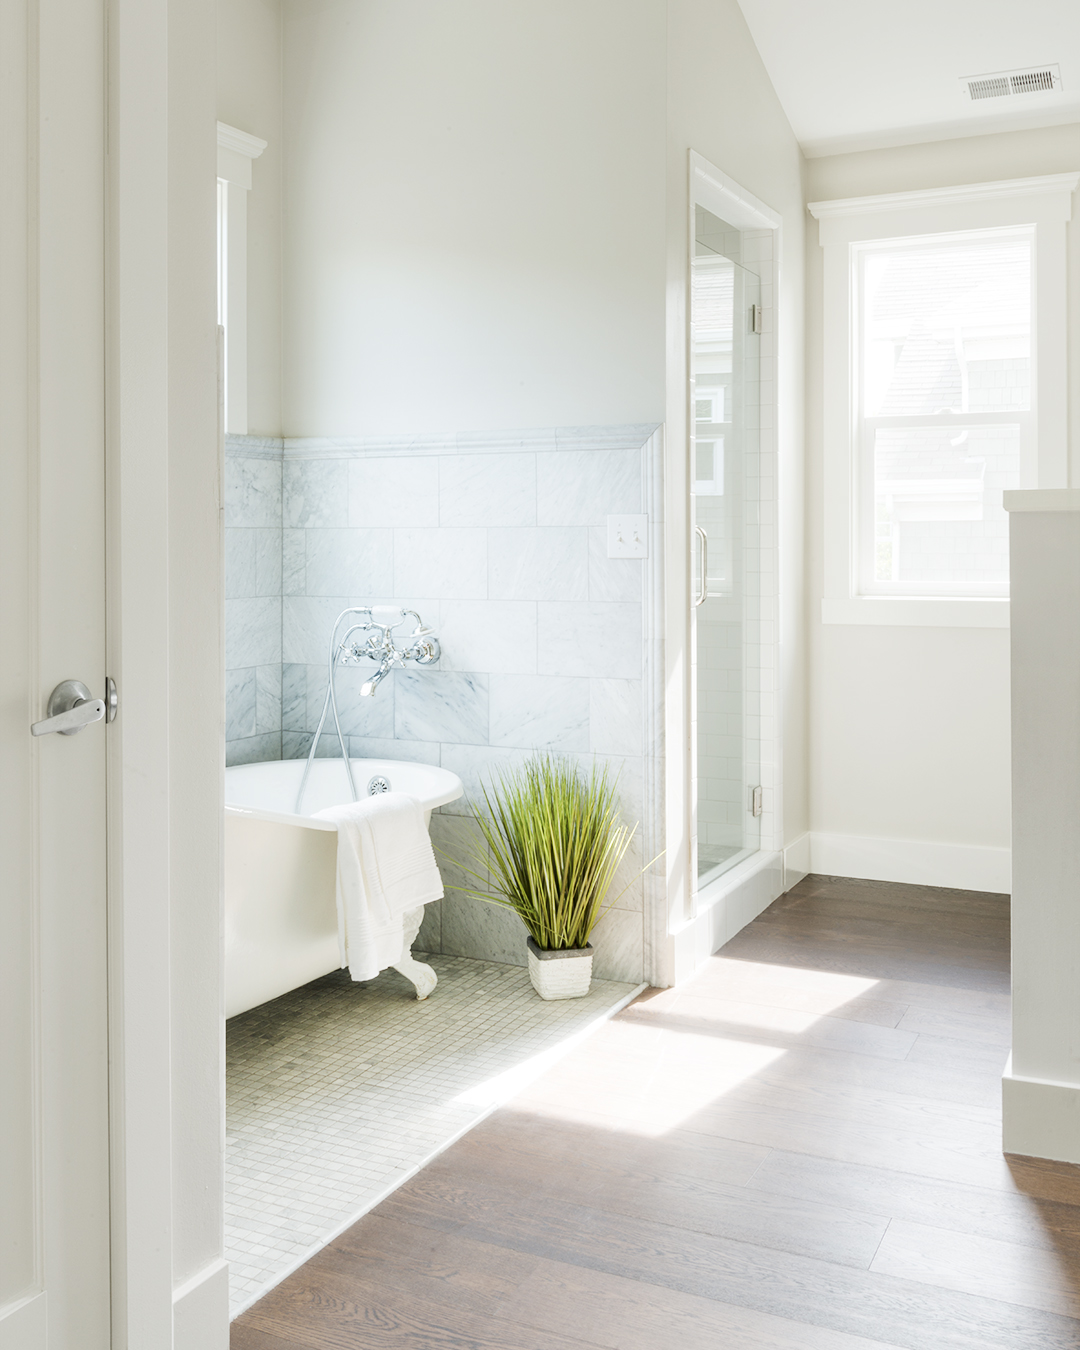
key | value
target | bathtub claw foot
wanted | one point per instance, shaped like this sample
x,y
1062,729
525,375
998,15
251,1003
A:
x,y
422,977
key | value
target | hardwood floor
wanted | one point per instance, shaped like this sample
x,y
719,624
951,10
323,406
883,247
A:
x,y
798,1150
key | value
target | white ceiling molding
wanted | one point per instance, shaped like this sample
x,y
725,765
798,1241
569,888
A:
x,y
236,150
1043,186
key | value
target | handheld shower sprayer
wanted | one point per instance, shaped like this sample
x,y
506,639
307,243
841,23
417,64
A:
x,y
423,650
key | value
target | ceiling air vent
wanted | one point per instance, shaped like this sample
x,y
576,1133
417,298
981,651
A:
x,y
1005,83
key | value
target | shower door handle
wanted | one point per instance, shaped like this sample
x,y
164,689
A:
x,y
703,589
70,709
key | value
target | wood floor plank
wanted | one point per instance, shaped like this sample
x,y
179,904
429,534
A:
x,y
1032,1276
821,1293
996,1031
814,1228
948,925
940,900
385,1254
562,1143
339,1310
623,1314
980,1211
881,961
809,991
965,1056
782,1026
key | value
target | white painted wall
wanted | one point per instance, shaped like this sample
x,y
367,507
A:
x,y
249,97
909,733
475,232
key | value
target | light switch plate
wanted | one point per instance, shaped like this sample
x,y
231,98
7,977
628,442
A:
x,y
628,536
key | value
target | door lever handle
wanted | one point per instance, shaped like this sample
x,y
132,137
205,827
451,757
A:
x,y
703,589
70,709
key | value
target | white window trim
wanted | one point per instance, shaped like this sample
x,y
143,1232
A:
x,y
236,150
1045,203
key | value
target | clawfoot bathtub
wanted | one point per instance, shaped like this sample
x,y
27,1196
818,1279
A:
x,y
280,872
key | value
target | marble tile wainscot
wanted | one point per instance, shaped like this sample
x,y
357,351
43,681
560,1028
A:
x,y
499,541
252,494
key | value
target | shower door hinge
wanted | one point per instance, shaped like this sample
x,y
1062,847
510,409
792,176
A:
x,y
755,318
755,801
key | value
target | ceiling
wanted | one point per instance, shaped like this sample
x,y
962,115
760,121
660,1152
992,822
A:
x,y
860,74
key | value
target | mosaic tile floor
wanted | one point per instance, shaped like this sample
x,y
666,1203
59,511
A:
x,y
338,1091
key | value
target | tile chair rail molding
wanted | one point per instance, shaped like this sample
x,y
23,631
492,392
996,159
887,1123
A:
x,y
499,540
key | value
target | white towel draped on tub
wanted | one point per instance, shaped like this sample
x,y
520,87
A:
x,y
385,870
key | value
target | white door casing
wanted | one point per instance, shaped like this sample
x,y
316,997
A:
x,y
111,1054
54,1116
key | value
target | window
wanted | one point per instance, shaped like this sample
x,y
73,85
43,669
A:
x,y
944,369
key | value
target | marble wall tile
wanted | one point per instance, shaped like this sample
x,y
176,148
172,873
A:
x,y
612,578
294,562
254,749
429,706
541,712
629,774
615,717
525,564
487,489
477,766
584,487
369,715
599,640
495,636
619,939
306,622
267,561
350,562
483,931
448,564
239,564
398,490
385,747
315,492
296,744
267,699
459,848
239,703
294,697
429,938
252,491
252,632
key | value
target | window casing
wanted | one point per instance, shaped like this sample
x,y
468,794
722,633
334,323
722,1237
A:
x,y
944,363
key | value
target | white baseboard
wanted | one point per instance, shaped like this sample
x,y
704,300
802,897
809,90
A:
x,y
23,1324
1040,1119
796,861
969,867
743,894
201,1309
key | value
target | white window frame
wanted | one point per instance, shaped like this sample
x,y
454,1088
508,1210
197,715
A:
x,y
1045,205
235,151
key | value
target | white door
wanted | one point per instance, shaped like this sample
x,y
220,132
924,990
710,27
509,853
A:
x,y
54,1142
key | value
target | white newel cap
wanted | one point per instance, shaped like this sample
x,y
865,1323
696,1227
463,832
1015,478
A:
x,y
1041,499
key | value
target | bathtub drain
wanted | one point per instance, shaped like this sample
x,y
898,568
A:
x,y
378,784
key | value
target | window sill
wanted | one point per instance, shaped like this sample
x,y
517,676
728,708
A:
x,y
919,612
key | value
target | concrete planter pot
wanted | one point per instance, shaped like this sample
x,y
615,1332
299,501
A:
x,y
563,974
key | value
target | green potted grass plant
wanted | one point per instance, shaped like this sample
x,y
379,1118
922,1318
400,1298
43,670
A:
x,y
550,842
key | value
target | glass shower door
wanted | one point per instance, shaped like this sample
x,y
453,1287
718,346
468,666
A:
x,y
725,311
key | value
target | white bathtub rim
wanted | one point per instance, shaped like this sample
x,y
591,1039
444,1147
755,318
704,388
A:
x,y
454,789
